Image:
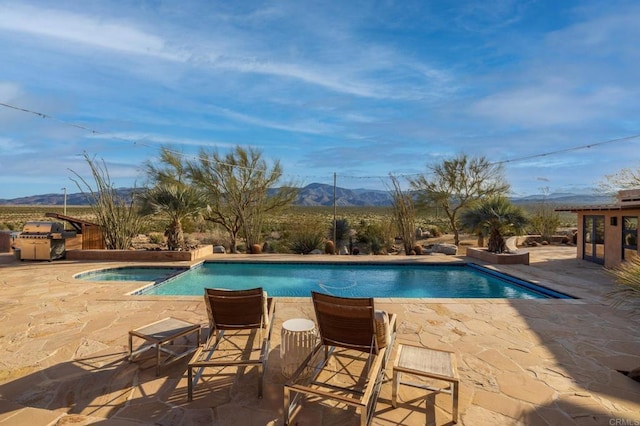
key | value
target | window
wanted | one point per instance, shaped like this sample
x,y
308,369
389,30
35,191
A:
x,y
629,236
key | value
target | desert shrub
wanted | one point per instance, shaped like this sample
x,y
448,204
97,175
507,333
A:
x,y
156,238
305,237
377,237
212,240
341,230
627,292
9,226
191,241
304,242
435,227
277,246
434,231
544,222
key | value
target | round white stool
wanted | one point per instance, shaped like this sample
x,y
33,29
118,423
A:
x,y
298,339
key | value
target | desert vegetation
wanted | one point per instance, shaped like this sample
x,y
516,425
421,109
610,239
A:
x,y
278,228
238,201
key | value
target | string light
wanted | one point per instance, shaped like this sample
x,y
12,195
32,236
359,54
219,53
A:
x,y
141,142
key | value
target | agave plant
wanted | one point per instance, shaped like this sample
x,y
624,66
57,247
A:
x,y
494,217
627,293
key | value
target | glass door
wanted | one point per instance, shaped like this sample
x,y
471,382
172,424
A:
x,y
629,236
593,238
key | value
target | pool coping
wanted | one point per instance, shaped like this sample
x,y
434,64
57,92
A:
x,y
521,361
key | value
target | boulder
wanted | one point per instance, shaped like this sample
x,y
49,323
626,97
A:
x,y
449,249
219,249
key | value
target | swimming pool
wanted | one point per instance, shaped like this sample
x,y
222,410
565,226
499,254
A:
x,y
131,273
296,279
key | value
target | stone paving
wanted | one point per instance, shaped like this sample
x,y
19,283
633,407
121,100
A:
x,y
63,347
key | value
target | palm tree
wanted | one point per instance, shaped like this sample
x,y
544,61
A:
x,y
171,195
495,216
175,201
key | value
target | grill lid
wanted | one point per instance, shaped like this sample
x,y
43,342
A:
x,y
42,228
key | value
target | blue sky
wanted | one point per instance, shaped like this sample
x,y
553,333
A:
x,y
359,88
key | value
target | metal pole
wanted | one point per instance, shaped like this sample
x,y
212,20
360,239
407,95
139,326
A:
x,y
335,243
65,201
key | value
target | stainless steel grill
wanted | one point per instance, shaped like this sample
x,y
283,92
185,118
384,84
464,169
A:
x,y
42,241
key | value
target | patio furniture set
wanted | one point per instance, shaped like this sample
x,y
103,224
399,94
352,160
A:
x,y
350,332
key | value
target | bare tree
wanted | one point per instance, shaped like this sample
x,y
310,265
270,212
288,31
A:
x,y
404,214
240,190
117,214
454,184
626,178
545,220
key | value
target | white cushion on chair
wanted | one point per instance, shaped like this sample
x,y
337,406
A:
x,y
383,331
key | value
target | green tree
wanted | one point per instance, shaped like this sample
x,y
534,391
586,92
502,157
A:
x,y
171,195
404,214
240,190
117,214
455,184
496,217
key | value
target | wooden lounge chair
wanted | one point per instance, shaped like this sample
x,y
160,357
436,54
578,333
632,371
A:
x,y
348,364
247,318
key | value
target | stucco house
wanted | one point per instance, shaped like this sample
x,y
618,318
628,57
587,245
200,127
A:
x,y
608,233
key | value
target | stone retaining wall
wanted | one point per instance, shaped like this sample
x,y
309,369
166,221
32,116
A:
x,y
521,258
140,255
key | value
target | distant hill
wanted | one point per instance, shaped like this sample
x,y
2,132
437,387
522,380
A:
x,y
77,199
566,199
318,194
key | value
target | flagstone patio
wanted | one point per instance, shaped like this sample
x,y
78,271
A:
x,y
64,342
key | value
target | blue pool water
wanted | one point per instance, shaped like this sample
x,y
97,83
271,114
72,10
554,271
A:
x,y
129,273
348,280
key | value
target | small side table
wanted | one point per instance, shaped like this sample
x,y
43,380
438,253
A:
x,y
160,333
298,340
428,363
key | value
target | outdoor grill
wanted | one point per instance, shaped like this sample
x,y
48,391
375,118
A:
x,y
42,241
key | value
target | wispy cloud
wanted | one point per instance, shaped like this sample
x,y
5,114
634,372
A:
x,y
548,106
157,140
352,71
83,30
358,87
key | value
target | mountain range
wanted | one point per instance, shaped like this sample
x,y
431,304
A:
x,y
318,194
